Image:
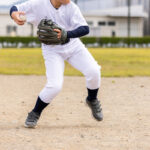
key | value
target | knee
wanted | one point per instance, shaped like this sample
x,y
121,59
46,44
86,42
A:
x,y
93,78
50,91
94,73
55,87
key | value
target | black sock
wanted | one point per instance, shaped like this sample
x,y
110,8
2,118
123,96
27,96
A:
x,y
39,106
92,94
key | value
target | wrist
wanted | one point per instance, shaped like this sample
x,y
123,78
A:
x,y
13,9
65,38
13,15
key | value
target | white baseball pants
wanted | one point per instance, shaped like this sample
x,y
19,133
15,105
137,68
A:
x,y
79,58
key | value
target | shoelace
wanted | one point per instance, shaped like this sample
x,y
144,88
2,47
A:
x,y
96,106
32,117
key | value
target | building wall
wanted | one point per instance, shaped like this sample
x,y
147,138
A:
x,y
146,6
136,29
133,2
114,26
9,27
87,5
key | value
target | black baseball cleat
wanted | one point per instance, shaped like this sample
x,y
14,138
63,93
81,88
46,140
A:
x,y
32,119
96,109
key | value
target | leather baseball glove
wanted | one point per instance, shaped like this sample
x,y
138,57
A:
x,y
48,36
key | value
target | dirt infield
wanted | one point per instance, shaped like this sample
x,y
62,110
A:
x,y
67,123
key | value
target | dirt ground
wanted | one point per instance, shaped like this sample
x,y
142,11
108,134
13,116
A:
x,y
67,123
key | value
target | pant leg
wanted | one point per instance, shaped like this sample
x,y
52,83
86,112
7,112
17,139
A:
x,y
54,65
83,61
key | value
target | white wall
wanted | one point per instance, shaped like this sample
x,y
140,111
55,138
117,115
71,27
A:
x,y
120,27
21,30
136,28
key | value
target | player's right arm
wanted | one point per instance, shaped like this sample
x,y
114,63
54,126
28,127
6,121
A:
x,y
26,9
15,15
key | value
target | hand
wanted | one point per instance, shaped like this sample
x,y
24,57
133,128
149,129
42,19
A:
x,y
15,16
59,33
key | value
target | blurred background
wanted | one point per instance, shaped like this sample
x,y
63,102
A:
x,y
106,18
119,39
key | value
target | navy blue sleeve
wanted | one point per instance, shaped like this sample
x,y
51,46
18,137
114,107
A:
x,y
80,31
12,9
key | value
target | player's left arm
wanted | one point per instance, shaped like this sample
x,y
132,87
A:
x,y
79,32
77,23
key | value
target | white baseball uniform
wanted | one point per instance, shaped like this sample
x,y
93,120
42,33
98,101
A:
x,y
68,17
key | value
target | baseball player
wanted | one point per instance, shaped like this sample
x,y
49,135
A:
x,y
67,15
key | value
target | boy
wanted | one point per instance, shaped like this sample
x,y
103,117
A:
x,y
67,15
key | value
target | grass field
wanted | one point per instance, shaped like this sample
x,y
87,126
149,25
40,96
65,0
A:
x,y
118,62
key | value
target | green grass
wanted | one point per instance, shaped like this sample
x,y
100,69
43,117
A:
x,y
115,62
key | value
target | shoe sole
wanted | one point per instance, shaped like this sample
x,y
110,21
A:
x,y
28,126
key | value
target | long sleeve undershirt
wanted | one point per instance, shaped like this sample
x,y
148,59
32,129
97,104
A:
x,y
80,31
13,8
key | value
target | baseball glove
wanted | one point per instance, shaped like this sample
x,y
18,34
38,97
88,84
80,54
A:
x,y
48,36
